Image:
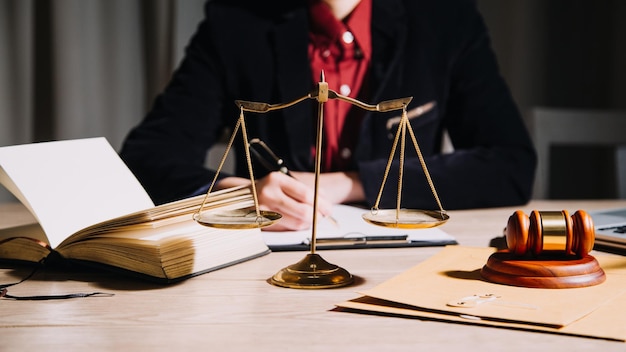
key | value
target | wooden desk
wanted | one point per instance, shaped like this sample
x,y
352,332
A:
x,y
236,309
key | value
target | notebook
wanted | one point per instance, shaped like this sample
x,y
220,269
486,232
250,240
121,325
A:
x,y
610,226
350,231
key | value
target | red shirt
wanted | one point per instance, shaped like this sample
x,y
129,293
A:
x,y
342,49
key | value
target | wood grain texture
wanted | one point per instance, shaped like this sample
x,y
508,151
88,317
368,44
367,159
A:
x,y
546,271
235,309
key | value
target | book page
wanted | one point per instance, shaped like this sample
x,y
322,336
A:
x,y
69,185
350,224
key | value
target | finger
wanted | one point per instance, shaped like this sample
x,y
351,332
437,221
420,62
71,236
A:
x,y
291,198
295,214
293,188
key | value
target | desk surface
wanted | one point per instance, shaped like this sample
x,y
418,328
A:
x,y
236,309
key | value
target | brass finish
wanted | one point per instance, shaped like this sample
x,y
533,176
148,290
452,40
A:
x,y
549,249
384,106
554,230
237,219
406,218
312,272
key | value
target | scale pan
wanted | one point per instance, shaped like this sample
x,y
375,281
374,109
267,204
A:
x,y
406,218
237,219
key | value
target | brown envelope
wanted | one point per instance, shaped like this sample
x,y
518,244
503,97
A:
x,y
432,289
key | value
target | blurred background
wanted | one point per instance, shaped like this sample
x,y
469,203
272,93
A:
x,y
84,68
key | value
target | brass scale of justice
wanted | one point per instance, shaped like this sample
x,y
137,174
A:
x,y
313,272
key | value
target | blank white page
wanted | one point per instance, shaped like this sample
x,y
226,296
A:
x,y
69,185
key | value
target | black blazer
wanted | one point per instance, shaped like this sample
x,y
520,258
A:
x,y
431,50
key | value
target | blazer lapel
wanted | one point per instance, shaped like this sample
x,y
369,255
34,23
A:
x,y
294,78
388,40
388,37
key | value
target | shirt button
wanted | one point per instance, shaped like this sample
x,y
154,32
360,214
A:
x,y
346,153
345,89
326,53
347,37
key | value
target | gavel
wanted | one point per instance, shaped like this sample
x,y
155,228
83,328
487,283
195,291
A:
x,y
553,232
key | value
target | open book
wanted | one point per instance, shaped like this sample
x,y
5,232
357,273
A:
x,y
89,207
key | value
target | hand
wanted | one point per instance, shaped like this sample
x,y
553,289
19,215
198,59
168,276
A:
x,y
336,187
291,198
286,195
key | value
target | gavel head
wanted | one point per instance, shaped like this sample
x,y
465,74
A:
x,y
550,232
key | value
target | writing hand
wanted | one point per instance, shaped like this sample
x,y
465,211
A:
x,y
335,187
286,195
291,198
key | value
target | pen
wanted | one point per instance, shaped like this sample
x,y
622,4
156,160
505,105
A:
x,y
279,165
361,240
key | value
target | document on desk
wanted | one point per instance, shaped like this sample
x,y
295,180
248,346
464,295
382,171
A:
x,y
348,230
448,287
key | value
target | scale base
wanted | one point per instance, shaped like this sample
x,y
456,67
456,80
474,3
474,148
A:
x,y
312,272
545,271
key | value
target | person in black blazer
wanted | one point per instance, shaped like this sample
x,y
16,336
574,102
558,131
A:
x,y
431,50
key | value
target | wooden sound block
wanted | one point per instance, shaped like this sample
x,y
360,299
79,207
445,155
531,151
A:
x,y
545,271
